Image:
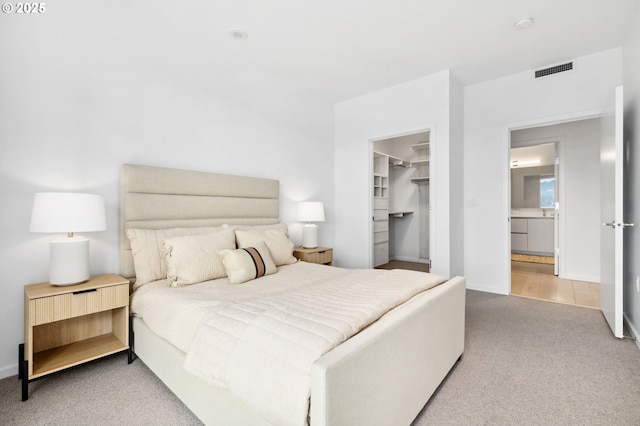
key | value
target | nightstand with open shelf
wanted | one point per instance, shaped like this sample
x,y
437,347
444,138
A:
x,y
65,326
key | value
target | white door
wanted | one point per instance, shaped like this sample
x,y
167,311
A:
x,y
611,201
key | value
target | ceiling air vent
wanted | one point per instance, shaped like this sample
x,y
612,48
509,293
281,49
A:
x,y
554,70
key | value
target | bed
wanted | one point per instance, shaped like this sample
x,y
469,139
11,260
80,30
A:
x,y
382,375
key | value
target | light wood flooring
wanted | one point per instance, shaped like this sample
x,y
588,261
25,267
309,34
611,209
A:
x,y
535,281
536,268
549,287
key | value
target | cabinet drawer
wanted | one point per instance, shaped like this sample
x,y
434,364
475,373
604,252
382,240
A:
x,y
381,203
73,304
519,226
380,237
380,215
380,254
322,257
381,226
519,242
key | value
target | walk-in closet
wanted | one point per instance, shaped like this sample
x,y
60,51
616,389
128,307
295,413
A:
x,y
400,204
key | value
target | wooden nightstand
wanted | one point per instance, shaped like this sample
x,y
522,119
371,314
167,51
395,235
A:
x,y
322,255
66,326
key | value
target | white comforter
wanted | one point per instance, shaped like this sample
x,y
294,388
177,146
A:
x,y
262,349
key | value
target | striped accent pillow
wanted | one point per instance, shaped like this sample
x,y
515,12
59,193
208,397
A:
x,y
247,263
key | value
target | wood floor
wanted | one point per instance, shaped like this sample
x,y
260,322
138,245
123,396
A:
x,y
401,264
535,281
549,287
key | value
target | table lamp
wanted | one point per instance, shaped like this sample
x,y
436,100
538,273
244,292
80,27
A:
x,y
56,212
310,211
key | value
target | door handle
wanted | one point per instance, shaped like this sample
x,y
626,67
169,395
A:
x,y
623,225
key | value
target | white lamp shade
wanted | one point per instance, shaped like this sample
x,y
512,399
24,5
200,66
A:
x,y
67,212
311,211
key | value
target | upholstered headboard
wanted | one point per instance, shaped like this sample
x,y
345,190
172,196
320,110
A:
x,y
162,198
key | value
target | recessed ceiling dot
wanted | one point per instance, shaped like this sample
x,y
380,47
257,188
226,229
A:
x,y
523,23
238,34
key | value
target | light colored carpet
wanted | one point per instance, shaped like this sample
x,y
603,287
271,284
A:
x,y
526,362
530,362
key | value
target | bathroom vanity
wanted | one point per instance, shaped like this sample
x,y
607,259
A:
x,y
532,235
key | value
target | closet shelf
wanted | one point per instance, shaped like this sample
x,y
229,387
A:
x,y
419,163
420,179
399,214
420,146
398,162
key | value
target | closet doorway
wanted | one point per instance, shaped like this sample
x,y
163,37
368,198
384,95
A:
x,y
400,202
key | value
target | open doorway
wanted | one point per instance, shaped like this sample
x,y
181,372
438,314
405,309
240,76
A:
x,y
577,179
535,205
401,202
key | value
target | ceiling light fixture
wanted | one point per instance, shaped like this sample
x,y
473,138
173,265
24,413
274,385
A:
x,y
520,163
238,34
523,23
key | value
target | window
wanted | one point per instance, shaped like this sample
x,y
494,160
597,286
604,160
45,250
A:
x,y
547,192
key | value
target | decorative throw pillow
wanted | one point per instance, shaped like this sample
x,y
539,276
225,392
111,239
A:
x,y
276,240
147,247
193,259
247,263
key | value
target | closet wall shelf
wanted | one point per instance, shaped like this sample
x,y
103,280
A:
x,y
398,162
400,214
420,146
421,179
419,163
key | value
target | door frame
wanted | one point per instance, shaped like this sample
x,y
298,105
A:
x,y
432,187
506,176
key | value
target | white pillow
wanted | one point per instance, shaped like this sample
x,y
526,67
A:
x,y
147,247
276,240
248,263
193,259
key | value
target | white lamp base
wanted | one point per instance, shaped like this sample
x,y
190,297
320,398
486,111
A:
x,y
68,260
309,235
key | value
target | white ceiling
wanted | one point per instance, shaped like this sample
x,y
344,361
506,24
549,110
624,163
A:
x,y
542,155
341,49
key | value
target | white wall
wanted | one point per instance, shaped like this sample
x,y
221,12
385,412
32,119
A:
x,y
631,78
580,195
456,176
406,108
516,101
88,87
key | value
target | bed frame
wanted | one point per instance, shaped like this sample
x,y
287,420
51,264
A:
x,y
381,376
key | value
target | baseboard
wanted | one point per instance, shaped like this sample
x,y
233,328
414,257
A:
x,y
632,329
486,289
407,259
594,280
8,371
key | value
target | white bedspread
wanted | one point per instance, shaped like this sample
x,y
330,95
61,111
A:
x,y
174,313
262,349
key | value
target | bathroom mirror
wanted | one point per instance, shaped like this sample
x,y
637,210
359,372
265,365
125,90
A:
x,y
533,187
